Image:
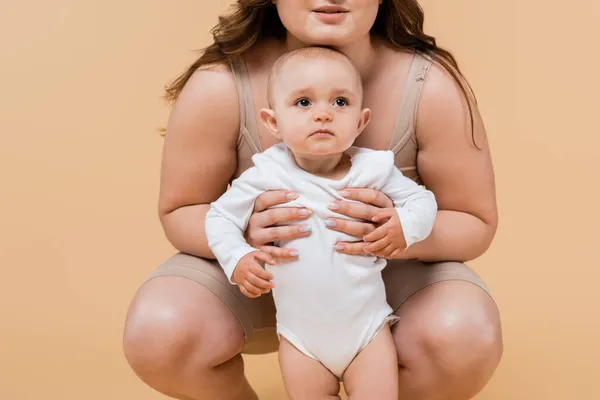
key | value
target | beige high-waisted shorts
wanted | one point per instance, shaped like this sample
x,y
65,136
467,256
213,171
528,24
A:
x,y
402,278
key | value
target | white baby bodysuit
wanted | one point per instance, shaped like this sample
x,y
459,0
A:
x,y
329,305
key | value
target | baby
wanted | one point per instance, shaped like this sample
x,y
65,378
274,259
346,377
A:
x,y
333,319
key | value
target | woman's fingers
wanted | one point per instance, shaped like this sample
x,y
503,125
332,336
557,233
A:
x,y
272,198
278,253
355,248
352,228
369,196
261,231
274,216
260,237
354,210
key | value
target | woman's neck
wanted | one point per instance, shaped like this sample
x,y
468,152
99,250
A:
x,y
363,53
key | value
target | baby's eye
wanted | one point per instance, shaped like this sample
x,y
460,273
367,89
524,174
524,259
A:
x,y
340,102
303,103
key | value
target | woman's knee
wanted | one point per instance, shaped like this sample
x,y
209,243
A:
x,y
174,324
454,327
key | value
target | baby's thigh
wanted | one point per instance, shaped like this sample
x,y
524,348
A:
x,y
304,377
373,374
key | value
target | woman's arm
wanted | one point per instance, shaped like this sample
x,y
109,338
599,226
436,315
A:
x,y
460,175
228,218
199,156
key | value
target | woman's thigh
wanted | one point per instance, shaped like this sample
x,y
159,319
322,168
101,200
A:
x,y
256,317
404,278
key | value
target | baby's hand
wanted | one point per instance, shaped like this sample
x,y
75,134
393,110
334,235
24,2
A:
x,y
388,239
252,279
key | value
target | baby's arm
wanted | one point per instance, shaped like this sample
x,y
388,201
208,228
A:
x,y
228,217
416,206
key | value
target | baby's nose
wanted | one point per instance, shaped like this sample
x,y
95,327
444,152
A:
x,y
321,116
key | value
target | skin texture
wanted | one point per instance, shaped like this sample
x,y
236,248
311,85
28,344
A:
x,y
448,340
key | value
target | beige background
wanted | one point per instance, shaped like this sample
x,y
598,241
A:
x,y
80,85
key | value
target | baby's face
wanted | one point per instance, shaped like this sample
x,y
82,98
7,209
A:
x,y
317,106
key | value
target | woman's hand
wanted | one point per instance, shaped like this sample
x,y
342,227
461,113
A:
x,y
374,205
261,232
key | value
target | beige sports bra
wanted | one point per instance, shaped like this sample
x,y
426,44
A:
x,y
404,130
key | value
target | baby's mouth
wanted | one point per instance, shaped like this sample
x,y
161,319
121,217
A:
x,y
322,133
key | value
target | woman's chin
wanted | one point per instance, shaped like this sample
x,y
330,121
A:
x,y
325,37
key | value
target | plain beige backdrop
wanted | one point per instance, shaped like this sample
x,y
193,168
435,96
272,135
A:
x,y
80,105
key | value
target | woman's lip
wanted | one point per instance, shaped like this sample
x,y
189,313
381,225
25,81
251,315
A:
x,y
330,9
330,17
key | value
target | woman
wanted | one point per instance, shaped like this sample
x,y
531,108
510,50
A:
x,y
187,326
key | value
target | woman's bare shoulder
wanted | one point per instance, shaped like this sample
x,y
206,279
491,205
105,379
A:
x,y
210,92
207,108
445,107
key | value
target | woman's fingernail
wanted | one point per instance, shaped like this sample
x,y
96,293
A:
x,y
305,229
304,211
334,206
330,222
344,193
338,247
293,253
292,196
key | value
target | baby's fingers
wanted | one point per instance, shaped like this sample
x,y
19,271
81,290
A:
x,y
264,257
386,213
247,293
378,245
260,277
252,290
377,234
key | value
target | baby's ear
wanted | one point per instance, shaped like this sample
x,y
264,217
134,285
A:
x,y
267,117
365,117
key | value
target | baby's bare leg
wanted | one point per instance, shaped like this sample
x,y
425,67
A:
x,y
305,378
373,374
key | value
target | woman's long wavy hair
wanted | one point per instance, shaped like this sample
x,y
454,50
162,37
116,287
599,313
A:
x,y
250,21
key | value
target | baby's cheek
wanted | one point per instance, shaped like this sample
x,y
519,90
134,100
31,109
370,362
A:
x,y
296,138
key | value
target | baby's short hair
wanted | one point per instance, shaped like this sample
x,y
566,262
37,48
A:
x,y
307,53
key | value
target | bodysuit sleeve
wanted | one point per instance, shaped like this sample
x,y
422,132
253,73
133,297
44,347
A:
x,y
228,218
415,205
